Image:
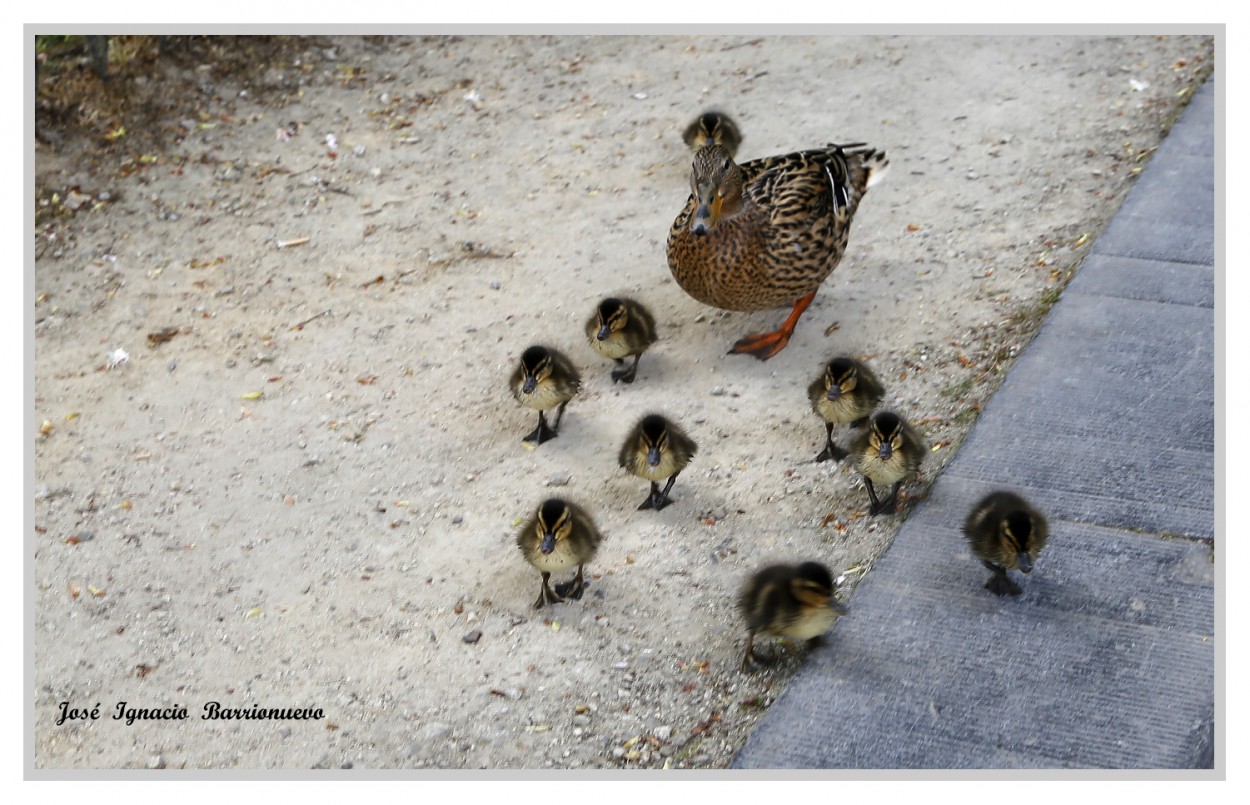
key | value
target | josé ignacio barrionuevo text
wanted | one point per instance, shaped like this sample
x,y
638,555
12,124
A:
x,y
212,711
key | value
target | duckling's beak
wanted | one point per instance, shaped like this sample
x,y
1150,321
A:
x,y
886,452
833,393
653,456
549,542
604,332
1024,562
530,384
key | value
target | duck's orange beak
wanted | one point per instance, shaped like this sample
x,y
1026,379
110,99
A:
x,y
707,213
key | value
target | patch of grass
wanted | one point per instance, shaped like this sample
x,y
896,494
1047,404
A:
x,y
967,415
957,390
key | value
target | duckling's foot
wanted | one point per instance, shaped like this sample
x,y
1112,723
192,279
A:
x,y
540,434
749,663
624,375
832,453
1001,584
884,507
570,589
658,502
547,595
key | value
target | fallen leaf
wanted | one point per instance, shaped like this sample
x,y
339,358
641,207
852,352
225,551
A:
x,y
253,395
162,335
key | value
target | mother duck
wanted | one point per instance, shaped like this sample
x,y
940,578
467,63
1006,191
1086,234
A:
x,y
766,233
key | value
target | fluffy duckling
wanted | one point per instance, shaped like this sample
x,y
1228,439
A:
x,y
1005,531
544,380
846,392
794,601
713,127
621,328
656,449
888,452
558,536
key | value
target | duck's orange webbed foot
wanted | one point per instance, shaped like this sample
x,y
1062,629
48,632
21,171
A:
x,y
761,345
766,345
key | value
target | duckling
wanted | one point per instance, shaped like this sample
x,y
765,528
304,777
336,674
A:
x,y
768,232
845,392
620,328
558,536
656,449
545,379
794,601
888,452
713,127
1005,531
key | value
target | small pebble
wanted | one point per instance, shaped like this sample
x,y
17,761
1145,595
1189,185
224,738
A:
x,y
473,636
559,479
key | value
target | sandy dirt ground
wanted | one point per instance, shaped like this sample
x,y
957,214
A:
x,y
323,258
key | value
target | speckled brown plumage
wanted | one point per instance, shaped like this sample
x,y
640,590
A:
x,y
768,232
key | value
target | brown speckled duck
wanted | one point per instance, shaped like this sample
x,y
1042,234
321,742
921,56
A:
x,y
768,232
1005,531
621,328
713,127
887,452
544,380
794,601
558,536
845,392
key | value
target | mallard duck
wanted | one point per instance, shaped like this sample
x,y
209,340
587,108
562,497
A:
x,y
545,379
713,127
558,536
1005,531
794,601
656,449
888,452
620,328
845,392
768,232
